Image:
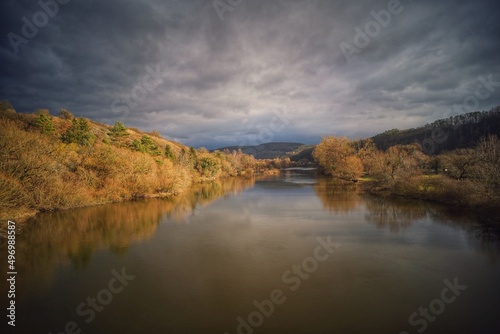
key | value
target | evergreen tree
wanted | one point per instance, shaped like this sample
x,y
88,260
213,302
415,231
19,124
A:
x,y
169,153
118,130
44,122
146,145
79,133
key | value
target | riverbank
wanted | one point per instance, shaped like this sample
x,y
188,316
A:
x,y
439,189
51,163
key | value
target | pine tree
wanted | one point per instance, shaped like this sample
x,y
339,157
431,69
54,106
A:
x,y
44,122
79,133
168,152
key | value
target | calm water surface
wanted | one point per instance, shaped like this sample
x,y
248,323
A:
x,y
206,261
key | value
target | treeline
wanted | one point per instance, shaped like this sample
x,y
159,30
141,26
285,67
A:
x,y
461,131
49,162
466,177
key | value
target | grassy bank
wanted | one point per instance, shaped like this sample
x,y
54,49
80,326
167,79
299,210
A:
x,y
437,188
49,163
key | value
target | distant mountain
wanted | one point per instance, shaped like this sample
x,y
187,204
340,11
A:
x,y
461,131
270,150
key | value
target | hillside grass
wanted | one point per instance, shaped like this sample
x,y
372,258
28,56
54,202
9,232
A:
x,y
49,163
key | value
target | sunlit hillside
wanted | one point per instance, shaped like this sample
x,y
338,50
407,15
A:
x,y
56,162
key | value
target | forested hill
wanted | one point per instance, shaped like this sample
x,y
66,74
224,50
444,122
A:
x,y
269,150
461,131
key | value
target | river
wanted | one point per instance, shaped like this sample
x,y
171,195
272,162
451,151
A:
x,y
294,253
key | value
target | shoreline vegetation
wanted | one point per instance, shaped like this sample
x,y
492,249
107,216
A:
x,y
61,162
461,178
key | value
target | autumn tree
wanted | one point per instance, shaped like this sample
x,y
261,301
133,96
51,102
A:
x,y
398,162
65,114
365,148
459,164
488,170
5,106
247,163
208,165
6,110
337,156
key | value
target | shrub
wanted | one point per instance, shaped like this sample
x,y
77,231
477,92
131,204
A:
x,y
7,111
44,122
146,145
117,131
65,114
169,153
79,133
12,193
208,165
6,107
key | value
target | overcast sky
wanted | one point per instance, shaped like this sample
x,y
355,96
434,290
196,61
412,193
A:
x,y
239,72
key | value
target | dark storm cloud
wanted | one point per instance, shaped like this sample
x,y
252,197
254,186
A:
x,y
270,70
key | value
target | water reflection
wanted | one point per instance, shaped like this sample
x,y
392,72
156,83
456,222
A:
x,y
182,207
200,278
300,176
396,214
71,237
399,214
49,240
337,195
479,225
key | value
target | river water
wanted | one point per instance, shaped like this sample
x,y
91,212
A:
x,y
293,253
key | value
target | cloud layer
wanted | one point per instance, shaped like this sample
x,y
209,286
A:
x,y
269,71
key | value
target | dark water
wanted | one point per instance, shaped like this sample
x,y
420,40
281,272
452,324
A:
x,y
288,254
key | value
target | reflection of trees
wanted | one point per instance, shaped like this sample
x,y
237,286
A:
x,y
72,236
399,214
393,213
490,239
203,194
480,225
337,195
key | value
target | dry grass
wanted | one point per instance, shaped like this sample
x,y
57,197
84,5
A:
x,y
38,172
440,188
